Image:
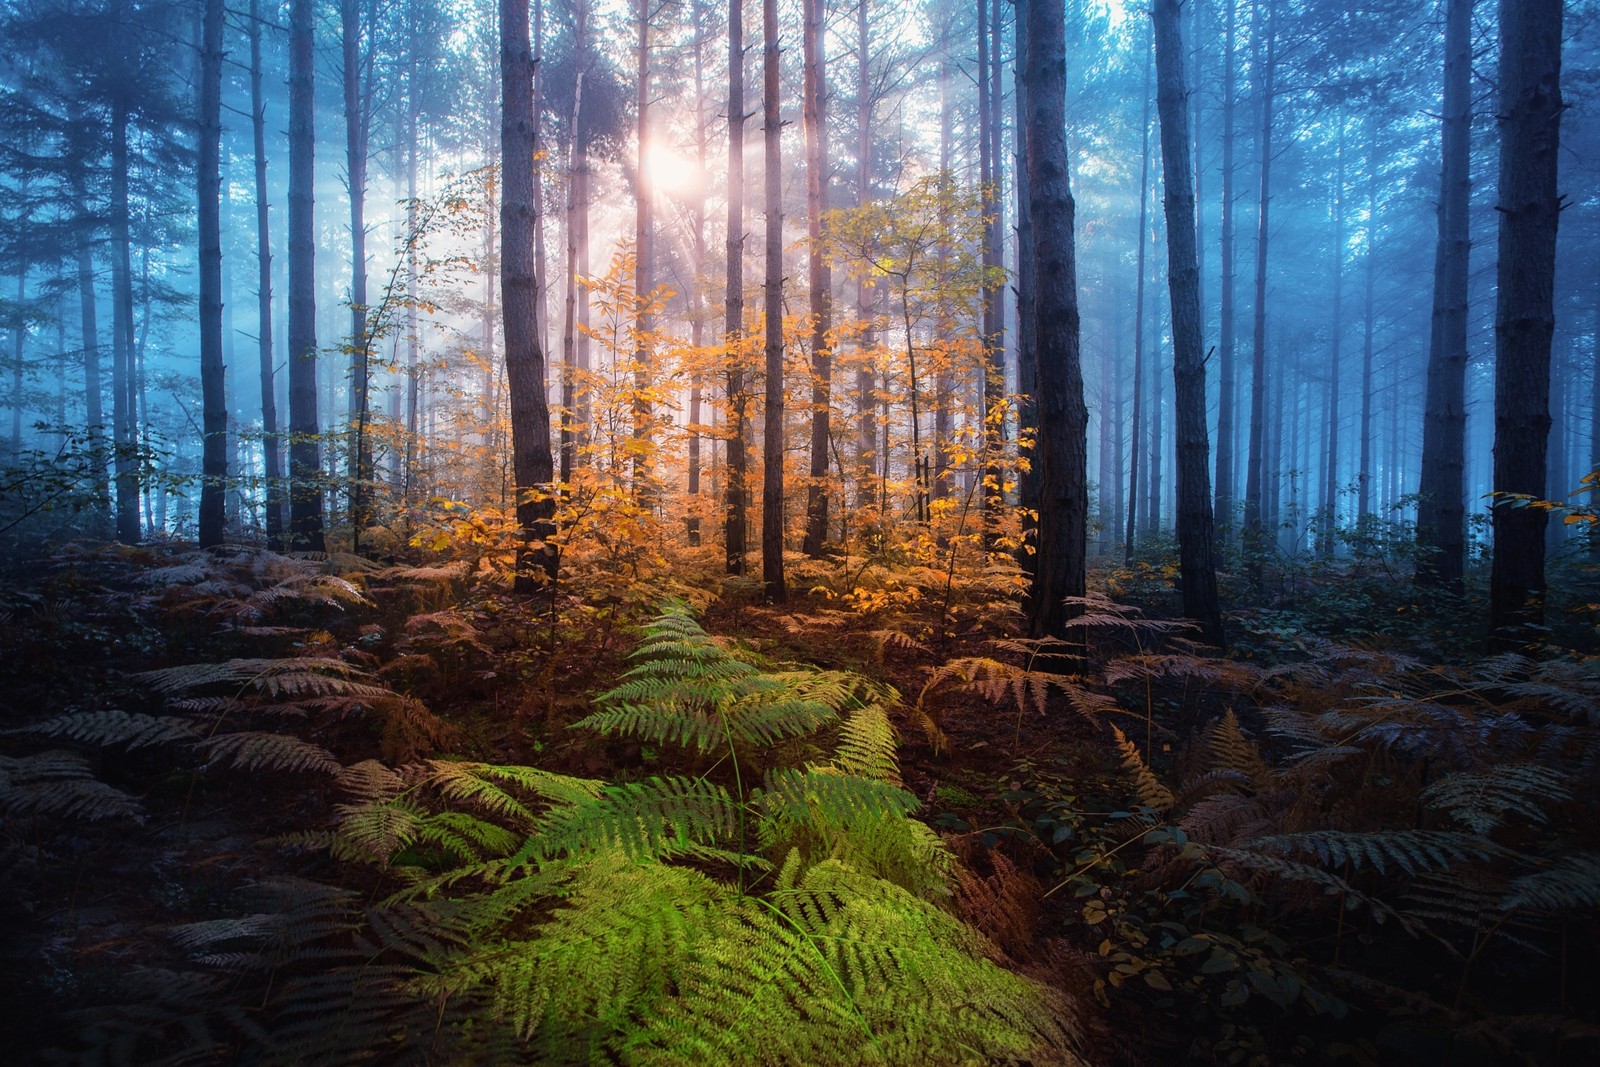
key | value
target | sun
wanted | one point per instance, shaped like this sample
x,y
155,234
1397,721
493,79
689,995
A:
x,y
672,173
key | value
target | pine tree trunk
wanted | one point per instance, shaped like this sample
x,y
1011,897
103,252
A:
x,y
821,280
577,170
697,291
1441,513
271,462
1330,484
866,380
1227,387
990,176
1063,418
1196,559
1255,473
213,396
736,532
305,451
1370,272
124,387
355,128
644,278
1135,502
1028,489
772,479
525,369
1529,205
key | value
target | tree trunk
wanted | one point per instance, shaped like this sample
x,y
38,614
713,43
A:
x,y
124,388
1254,534
213,397
577,170
1028,488
991,500
1196,561
1330,484
697,291
1136,442
89,331
1063,418
772,478
815,92
1364,475
305,452
735,534
643,278
1529,205
1227,387
866,379
525,372
355,130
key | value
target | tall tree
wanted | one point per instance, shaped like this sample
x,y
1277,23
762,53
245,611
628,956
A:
x,y
213,396
531,461
1255,472
1063,419
866,380
357,123
1136,442
1330,482
1441,512
735,533
990,181
644,261
305,453
815,92
772,477
270,455
1529,207
1196,558
1227,390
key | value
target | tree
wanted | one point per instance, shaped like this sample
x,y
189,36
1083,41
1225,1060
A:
x,y
1255,472
821,282
1529,206
644,262
269,400
735,537
531,459
1135,441
357,124
208,181
1441,517
1063,419
305,453
1227,390
772,478
1196,559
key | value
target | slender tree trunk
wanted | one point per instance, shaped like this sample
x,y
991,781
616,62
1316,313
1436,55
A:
x,y
644,278
1227,387
89,329
525,370
1157,419
355,129
1370,271
539,256
569,321
1441,517
305,451
735,535
1137,441
270,458
1330,484
816,129
697,290
1196,559
1255,474
1028,485
772,480
1529,205
990,178
19,339
213,397
1063,419
1594,424
866,379
124,412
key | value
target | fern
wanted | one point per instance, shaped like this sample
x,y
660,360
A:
x,y
643,820
1228,749
256,750
1481,801
61,783
1412,851
112,728
1571,883
1148,788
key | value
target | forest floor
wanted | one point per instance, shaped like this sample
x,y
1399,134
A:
x,y
1354,840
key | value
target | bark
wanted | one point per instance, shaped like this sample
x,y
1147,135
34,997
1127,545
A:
x,y
577,169
1227,388
1364,475
1441,511
866,380
991,500
1196,558
1529,205
1254,534
772,478
735,534
643,278
531,461
305,452
1063,418
697,291
1136,441
1028,489
355,128
213,397
815,93
19,339
124,384
1330,484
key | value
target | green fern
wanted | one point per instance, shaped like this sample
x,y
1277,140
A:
x,y
1412,851
1481,801
1571,883
258,750
652,819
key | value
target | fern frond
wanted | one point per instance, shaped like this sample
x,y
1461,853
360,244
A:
x,y
1572,882
481,783
651,819
1329,883
1228,749
112,728
61,783
259,750
1148,788
1412,851
1482,800
867,744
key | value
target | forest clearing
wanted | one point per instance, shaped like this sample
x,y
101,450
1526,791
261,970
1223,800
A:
x,y
811,532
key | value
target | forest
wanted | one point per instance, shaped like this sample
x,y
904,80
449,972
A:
x,y
804,532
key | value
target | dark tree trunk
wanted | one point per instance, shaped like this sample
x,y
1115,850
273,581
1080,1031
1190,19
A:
x,y
643,277
815,92
1441,512
772,477
213,397
525,372
1227,387
1063,492
1255,473
1196,561
271,459
124,385
866,380
355,129
578,171
990,175
305,451
736,532
1370,270
1330,485
1530,205
1136,440
1028,488
697,235
89,330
